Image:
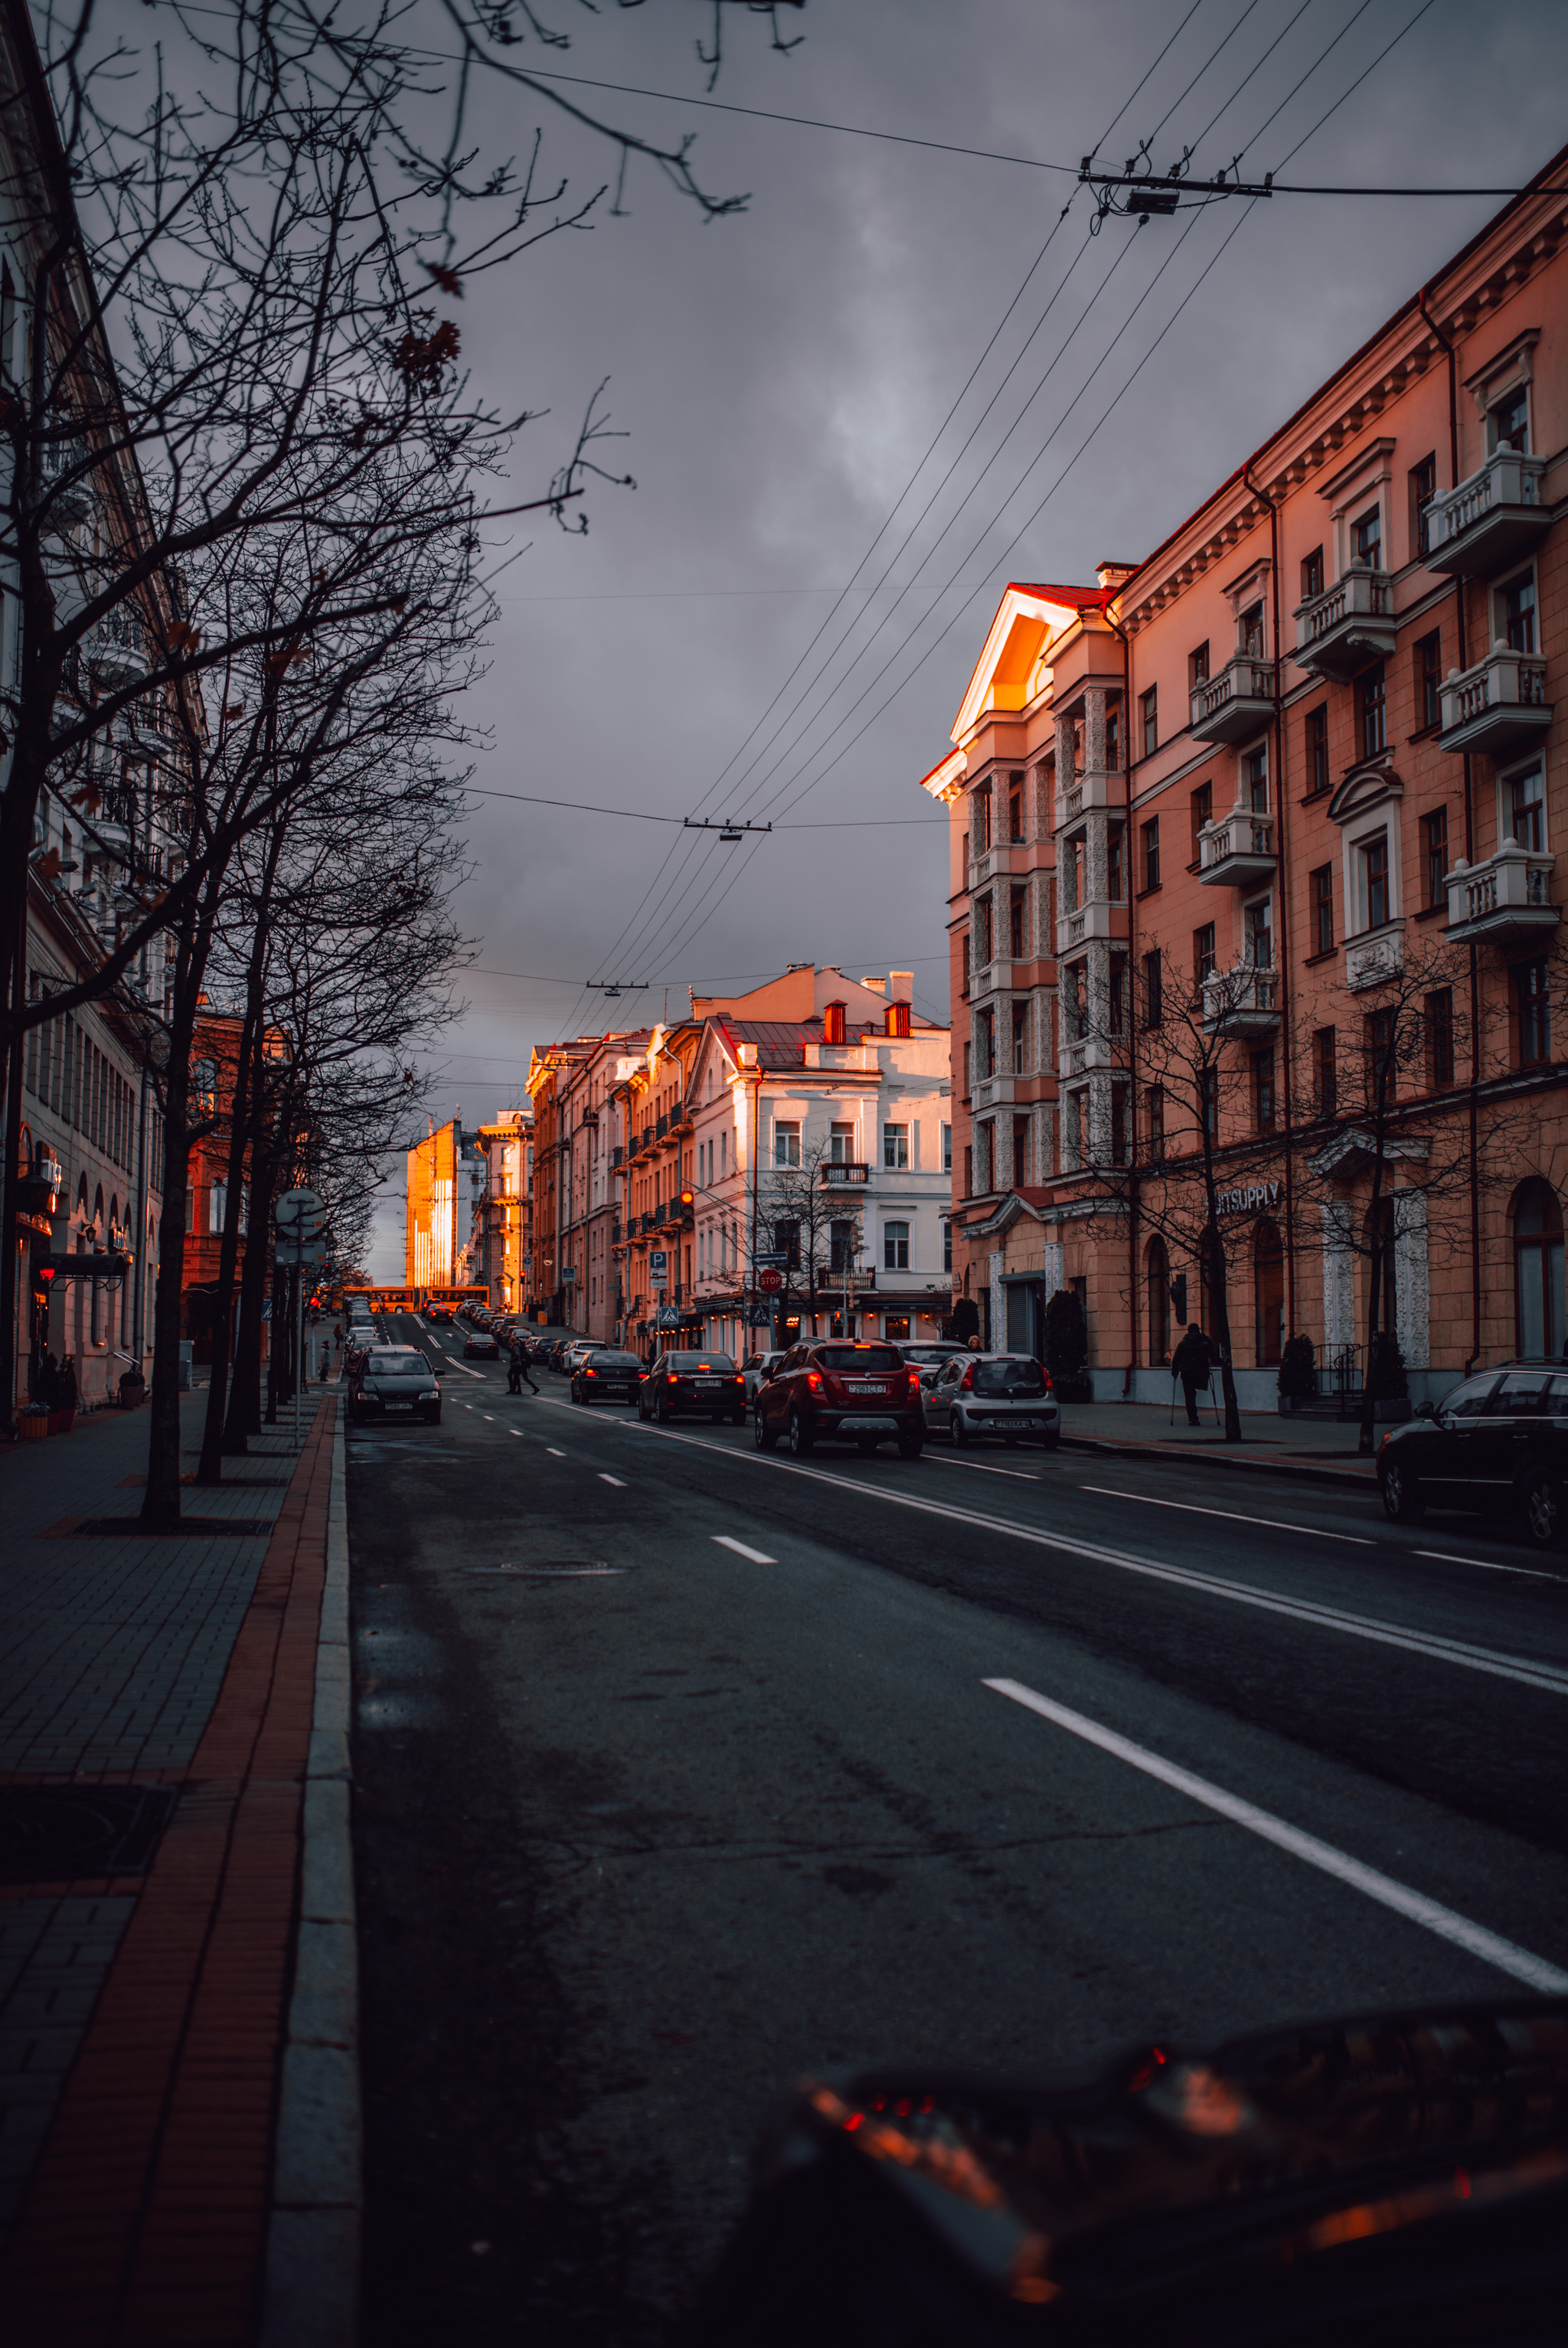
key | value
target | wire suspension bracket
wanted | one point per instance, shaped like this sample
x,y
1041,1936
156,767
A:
x,y
730,828
1146,194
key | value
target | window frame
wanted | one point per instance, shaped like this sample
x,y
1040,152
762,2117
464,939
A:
x,y
1325,1070
1149,833
1314,730
895,1245
1320,880
1508,785
1428,663
895,1147
1504,624
1149,716
1435,855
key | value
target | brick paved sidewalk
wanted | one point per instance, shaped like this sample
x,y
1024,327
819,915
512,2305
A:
x,y
157,1699
1322,1449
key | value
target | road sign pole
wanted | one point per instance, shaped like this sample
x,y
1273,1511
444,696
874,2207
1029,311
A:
x,y
299,1337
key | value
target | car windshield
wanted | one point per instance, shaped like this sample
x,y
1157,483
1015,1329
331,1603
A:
x,y
614,1362
684,1363
1018,1375
880,1358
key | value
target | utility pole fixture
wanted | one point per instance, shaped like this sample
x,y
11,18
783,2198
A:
x,y
610,988
1148,193
728,829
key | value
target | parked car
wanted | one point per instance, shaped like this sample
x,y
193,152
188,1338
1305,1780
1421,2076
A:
x,y
1497,1445
602,1375
394,1382
930,1355
1006,1396
755,1368
478,1345
837,1390
686,1384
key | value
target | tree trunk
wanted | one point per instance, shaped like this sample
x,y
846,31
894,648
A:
x,y
209,1467
160,1501
244,1411
1367,1439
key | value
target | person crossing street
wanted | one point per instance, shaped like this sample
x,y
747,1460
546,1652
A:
x,y
517,1368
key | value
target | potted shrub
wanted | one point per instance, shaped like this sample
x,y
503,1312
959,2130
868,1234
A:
x,y
965,1321
1066,1347
1297,1373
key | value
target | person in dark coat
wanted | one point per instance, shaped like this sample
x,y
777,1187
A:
x,y
517,1368
1192,1362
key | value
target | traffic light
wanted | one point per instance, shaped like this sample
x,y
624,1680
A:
x,y
688,1199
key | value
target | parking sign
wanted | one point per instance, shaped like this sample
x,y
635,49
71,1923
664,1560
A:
x,y
658,1264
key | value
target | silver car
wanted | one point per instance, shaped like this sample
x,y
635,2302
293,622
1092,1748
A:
x,y
757,1367
1004,1397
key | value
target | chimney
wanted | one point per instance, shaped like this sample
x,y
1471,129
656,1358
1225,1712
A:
x,y
901,986
833,1023
876,985
748,1056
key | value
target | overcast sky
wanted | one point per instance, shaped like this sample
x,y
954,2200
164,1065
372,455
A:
x,y
785,376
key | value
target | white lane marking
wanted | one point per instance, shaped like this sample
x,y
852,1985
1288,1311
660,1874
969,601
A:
x,y
488,1415
1019,1475
553,1453
514,1430
1489,1565
755,1555
1548,1677
618,1481
1231,1516
1506,1955
464,1367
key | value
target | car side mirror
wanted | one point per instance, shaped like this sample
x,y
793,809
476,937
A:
x,y
1425,1410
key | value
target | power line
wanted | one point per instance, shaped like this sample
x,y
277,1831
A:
x,y
641,814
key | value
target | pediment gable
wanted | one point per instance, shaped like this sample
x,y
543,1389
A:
x,y
1364,788
1009,674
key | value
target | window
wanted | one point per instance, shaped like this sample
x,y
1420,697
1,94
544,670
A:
x,y
1268,1292
1113,862
1537,1270
1120,1153
1157,1265
946,1245
1149,707
1020,1038
787,1240
1016,924
947,1149
1374,855
1209,1100
1366,539
1113,737
1321,884
1198,666
1076,1003
1154,1121
1258,929
980,819
786,1143
1326,1071
1203,952
1435,854
1508,424
1312,575
1533,1012
988,1043
1203,813
1371,710
1015,810
1118,1004
840,1144
1263,1091
1516,610
1153,989
986,927
895,1145
1423,489
963,966
1429,679
840,1246
1252,632
1151,853
1527,810
1318,748
968,1170
1440,1010
985,1135
1255,781
968,1063
1382,1034
1020,1152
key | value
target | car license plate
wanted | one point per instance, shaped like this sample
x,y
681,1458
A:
x,y
396,1405
852,1388
709,1386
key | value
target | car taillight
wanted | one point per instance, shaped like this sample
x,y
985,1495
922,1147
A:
x,y
813,1378
674,1378
739,1380
913,1383
590,1373
969,1381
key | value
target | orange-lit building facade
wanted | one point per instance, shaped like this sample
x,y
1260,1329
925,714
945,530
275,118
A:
x,y
1309,749
445,1180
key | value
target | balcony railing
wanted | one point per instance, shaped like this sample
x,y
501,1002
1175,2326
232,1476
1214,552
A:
x,y
1348,625
1506,899
1238,852
836,1173
1372,958
1492,519
1235,705
1097,917
661,1129
617,1157
1498,708
1243,1001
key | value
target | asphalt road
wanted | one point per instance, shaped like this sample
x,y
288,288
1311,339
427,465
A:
x,y
682,1769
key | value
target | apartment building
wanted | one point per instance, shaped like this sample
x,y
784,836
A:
x,y
444,1185
1253,913
502,1221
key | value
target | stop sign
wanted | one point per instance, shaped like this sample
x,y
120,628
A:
x,y
769,1282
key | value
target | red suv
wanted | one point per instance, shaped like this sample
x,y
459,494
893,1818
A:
x,y
835,1391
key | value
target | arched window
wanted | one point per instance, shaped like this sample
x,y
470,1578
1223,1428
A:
x,y
1268,1292
1157,1269
97,1205
1537,1269
895,1247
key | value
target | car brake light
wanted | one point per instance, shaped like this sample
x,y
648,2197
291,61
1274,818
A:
x,y
590,1373
968,1380
674,1378
739,1380
813,1378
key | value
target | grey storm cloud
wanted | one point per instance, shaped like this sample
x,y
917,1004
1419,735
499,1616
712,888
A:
x,y
793,381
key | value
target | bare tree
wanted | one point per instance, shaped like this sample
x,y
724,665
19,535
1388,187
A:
x,y
816,1224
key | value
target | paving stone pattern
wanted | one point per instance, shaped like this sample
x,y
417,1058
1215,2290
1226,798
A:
x,y
54,1955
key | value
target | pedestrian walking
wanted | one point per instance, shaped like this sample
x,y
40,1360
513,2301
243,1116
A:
x,y
325,1358
1193,1363
517,1369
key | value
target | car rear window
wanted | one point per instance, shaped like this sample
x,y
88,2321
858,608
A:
x,y
880,1358
615,1360
687,1363
1019,1377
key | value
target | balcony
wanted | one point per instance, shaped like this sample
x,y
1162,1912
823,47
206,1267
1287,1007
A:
x,y
661,1129
1491,519
1095,788
116,647
1097,917
1238,852
1499,707
1087,1053
1347,625
993,1091
617,1157
843,1173
1235,705
1505,900
1244,1001
1374,956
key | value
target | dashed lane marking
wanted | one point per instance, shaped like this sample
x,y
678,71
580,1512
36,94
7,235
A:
x,y
553,1453
1231,1516
1521,1964
1489,1565
942,1459
618,1481
757,1556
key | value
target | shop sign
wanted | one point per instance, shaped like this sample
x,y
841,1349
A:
x,y
1249,1201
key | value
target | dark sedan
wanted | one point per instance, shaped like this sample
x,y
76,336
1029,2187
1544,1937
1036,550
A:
x,y
686,1385
1497,1445
394,1382
478,1345
604,1375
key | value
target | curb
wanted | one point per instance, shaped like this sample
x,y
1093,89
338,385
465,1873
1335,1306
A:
x,y
310,2287
1350,1480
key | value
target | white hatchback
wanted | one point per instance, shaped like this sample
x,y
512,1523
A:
x,y
1000,1397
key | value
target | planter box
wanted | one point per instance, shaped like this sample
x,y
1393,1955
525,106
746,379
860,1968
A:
x,y
32,1427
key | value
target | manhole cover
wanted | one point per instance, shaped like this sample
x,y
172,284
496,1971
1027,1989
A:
x,y
552,1568
49,1834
